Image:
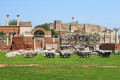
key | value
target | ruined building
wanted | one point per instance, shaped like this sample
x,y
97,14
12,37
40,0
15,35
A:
x,y
108,36
21,36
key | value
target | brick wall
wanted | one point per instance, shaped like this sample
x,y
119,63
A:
x,y
26,43
8,29
110,46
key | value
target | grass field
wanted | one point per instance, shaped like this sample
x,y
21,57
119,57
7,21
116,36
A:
x,y
73,68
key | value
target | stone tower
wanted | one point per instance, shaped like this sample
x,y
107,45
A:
x,y
57,25
73,26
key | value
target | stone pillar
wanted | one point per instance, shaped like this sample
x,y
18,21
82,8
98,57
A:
x,y
7,20
105,35
18,20
43,43
116,35
53,38
34,42
7,40
111,37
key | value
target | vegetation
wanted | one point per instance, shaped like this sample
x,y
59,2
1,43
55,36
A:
x,y
59,73
45,26
2,35
13,22
39,32
55,33
73,68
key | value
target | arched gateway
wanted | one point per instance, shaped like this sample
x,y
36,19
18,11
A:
x,y
40,29
39,37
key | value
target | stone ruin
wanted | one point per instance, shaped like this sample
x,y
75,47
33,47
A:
x,y
76,41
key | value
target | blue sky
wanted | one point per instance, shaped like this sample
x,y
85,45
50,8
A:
x,y
98,12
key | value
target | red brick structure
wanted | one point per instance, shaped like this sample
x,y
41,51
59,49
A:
x,y
110,46
9,29
41,29
25,24
26,43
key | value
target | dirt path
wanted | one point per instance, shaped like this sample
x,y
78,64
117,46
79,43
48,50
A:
x,y
2,65
23,65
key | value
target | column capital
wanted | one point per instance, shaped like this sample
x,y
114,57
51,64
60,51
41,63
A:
x,y
18,15
110,30
105,30
7,15
116,29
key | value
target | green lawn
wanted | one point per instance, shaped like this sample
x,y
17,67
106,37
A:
x,y
60,68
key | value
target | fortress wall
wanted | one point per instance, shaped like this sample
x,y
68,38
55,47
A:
x,y
94,28
65,27
80,26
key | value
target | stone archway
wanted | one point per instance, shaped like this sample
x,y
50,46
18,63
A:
x,y
39,29
39,34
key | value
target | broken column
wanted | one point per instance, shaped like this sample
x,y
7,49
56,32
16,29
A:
x,y
7,20
18,20
34,42
116,35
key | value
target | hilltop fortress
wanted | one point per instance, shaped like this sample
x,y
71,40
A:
x,y
73,26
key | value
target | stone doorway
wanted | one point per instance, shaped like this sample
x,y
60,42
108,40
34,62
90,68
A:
x,y
39,42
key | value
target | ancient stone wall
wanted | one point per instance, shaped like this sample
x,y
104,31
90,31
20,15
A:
x,y
50,44
65,27
24,30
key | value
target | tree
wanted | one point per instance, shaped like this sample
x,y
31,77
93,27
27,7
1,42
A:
x,y
13,22
2,34
45,26
39,32
54,33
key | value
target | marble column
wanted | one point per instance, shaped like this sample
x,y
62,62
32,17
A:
x,y
7,20
111,37
18,20
116,35
34,42
7,40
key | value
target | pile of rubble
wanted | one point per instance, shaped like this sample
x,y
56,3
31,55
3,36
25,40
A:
x,y
80,41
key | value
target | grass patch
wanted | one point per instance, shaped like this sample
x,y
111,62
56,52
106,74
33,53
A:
x,y
60,68
59,73
113,60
